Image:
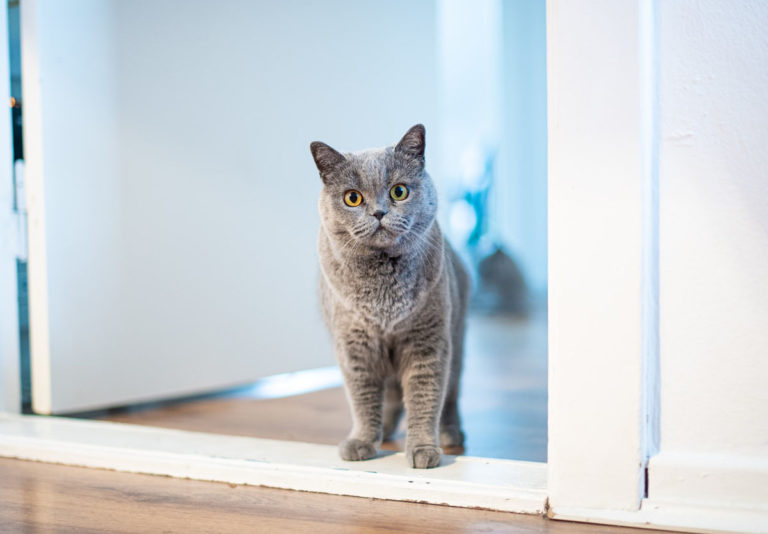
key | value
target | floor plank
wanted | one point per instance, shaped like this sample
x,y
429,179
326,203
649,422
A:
x,y
44,498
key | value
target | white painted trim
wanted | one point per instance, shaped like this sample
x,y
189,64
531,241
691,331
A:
x,y
10,373
37,276
736,483
660,515
504,485
596,182
10,380
693,493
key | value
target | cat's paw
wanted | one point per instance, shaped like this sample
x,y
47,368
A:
x,y
354,450
423,456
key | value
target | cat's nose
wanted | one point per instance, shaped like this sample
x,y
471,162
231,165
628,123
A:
x,y
379,214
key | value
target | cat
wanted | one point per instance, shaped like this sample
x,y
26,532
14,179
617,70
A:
x,y
394,296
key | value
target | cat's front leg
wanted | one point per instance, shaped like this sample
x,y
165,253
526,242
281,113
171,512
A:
x,y
360,360
424,379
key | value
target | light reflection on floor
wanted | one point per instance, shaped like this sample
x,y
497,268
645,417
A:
x,y
298,383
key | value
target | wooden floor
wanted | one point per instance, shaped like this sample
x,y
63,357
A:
x,y
43,498
503,400
504,408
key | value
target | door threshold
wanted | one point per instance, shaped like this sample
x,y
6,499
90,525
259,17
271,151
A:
x,y
487,483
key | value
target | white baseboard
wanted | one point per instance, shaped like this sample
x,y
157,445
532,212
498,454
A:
x,y
694,493
669,516
716,480
504,485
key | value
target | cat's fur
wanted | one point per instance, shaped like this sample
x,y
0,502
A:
x,y
394,296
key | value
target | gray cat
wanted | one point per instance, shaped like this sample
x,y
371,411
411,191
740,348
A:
x,y
394,296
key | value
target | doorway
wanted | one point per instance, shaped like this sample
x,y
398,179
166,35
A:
x,y
144,254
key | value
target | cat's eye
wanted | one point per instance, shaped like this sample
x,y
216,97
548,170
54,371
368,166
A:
x,y
353,198
398,192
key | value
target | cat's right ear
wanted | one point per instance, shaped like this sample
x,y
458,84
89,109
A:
x,y
326,158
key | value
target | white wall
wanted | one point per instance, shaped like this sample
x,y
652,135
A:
x,y
714,249
180,195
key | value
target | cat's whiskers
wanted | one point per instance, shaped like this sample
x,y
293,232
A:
x,y
425,248
346,244
398,223
349,253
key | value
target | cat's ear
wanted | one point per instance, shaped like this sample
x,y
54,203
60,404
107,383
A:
x,y
326,158
412,144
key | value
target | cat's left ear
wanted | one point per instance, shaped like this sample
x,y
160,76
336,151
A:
x,y
413,143
326,158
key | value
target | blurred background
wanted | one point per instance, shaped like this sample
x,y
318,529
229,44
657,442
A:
x,y
162,155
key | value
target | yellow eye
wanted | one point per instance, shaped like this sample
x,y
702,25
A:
x,y
353,198
399,192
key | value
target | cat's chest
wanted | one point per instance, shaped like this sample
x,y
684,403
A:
x,y
383,291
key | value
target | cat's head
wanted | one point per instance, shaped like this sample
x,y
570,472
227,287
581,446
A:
x,y
378,199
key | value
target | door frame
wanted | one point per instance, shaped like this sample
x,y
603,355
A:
x,y
10,374
603,256
66,441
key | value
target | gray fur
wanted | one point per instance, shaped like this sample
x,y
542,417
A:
x,y
394,296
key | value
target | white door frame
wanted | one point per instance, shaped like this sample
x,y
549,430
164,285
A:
x,y
10,378
601,255
576,349
37,274
603,325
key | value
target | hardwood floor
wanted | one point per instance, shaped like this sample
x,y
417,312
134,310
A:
x,y
504,408
43,498
503,400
